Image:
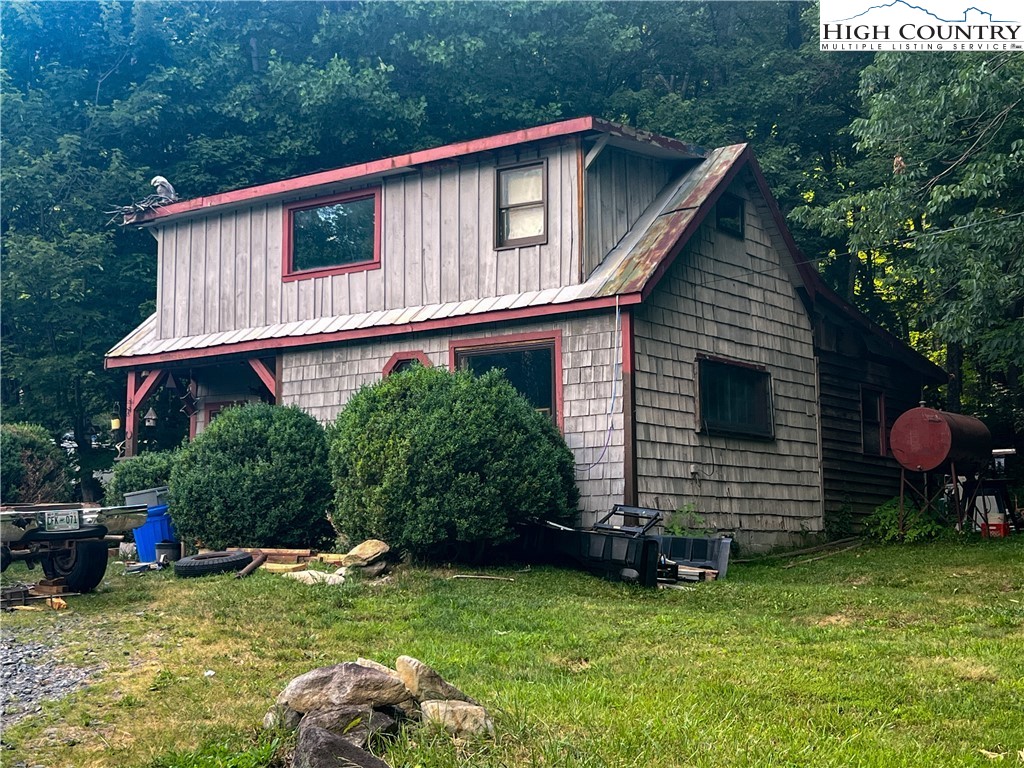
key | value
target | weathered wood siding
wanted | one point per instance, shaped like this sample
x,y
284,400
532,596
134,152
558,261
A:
x,y
322,380
619,185
856,483
729,298
223,271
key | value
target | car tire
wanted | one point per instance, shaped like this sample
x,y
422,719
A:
x,y
82,566
211,562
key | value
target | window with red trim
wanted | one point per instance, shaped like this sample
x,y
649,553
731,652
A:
x,y
332,235
529,368
403,361
521,206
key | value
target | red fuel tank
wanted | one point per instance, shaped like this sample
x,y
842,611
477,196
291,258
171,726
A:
x,y
923,439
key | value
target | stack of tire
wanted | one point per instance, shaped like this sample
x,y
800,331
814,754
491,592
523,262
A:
x,y
208,563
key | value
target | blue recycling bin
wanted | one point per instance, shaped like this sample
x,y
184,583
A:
x,y
156,529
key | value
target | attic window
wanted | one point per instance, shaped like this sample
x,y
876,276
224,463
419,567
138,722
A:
x,y
522,209
332,235
735,398
729,215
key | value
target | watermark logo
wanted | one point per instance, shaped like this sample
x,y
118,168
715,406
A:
x,y
922,25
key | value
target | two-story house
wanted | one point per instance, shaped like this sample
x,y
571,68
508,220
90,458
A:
x,y
643,292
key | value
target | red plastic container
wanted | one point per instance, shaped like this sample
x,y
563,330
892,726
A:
x,y
995,530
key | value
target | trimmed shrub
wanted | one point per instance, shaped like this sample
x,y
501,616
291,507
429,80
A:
x,y
147,470
32,468
256,477
445,464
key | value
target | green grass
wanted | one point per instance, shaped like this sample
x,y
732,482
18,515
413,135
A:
x,y
882,656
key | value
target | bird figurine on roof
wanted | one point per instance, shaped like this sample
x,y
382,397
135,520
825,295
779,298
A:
x,y
129,214
164,188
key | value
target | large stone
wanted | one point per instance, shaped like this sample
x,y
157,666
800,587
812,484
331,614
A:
x,y
343,685
319,748
459,718
370,551
372,571
376,665
282,716
425,683
316,577
357,725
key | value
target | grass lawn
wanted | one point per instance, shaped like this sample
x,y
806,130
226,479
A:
x,y
881,656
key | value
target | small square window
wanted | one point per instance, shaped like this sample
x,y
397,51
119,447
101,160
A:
x,y
735,399
332,235
872,422
729,215
522,210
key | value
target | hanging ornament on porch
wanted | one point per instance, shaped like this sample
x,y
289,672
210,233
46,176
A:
x,y
115,417
150,418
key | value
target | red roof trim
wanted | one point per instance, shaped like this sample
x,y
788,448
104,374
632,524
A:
x,y
289,342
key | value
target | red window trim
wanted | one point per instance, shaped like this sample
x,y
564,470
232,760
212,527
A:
x,y
212,407
518,340
289,275
523,242
401,357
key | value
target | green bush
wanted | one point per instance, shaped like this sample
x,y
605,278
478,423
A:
x,y
32,468
256,477
147,470
445,464
884,523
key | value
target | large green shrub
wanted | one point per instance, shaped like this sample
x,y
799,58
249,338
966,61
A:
x,y
32,468
446,464
147,470
256,477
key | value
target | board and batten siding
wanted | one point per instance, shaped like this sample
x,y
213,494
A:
x,y
856,483
619,185
728,298
223,271
321,380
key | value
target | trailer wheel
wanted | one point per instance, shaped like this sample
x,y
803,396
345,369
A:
x,y
211,562
82,566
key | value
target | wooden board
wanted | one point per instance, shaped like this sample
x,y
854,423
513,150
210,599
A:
x,y
284,567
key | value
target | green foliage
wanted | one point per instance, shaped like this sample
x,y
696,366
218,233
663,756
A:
x,y
147,470
444,464
256,477
32,468
887,525
687,521
226,754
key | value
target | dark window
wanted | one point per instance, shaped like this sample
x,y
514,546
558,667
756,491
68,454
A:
x,y
333,235
522,212
729,214
872,424
735,399
531,370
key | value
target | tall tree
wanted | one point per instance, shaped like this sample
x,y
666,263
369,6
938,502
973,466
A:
x,y
943,137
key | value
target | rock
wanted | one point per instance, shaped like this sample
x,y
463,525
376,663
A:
x,y
319,748
343,685
370,551
459,718
376,665
426,684
371,571
316,577
282,716
357,725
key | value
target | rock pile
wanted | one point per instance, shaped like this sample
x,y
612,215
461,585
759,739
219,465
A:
x,y
365,561
339,710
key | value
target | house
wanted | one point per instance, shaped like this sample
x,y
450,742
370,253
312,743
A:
x,y
643,292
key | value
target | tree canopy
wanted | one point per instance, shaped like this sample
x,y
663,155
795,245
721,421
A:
x,y
98,97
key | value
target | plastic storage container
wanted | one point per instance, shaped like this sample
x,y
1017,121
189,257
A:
x,y
151,497
697,552
156,529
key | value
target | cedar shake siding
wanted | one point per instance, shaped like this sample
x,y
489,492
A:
x,y
225,271
321,380
728,298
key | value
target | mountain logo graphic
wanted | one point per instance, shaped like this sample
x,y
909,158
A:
x,y
910,7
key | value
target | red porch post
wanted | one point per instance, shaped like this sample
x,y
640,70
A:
x,y
139,389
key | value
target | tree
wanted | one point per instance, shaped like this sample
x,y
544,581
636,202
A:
x,y
943,138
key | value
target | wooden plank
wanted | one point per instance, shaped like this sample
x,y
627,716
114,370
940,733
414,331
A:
x,y
393,232
274,244
183,280
226,283
258,266
357,292
430,246
449,200
211,309
414,289
469,253
486,227
165,280
271,567
242,273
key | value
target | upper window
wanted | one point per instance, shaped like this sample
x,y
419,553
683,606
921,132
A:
x,y
332,235
735,398
872,422
522,210
729,214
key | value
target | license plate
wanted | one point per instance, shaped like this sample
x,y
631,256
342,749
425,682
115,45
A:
x,y
61,520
